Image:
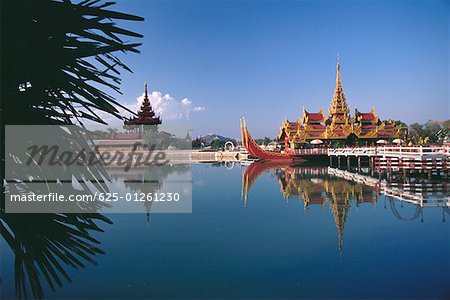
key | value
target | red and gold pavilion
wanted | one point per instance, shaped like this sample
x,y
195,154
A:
x,y
145,116
339,126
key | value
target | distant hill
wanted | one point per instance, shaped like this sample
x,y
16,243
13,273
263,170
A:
x,y
209,138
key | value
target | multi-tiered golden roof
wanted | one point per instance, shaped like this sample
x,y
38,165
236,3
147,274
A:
x,y
339,125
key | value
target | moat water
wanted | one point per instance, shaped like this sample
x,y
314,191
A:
x,y
266,232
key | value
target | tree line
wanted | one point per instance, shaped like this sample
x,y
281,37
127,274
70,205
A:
x,y
430,132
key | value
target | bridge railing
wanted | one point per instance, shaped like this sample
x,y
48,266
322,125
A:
x,y
414,151
312,151
392,151
363,151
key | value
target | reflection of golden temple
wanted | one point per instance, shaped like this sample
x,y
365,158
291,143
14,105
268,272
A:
x,y
309,190
340,212
320,187
320,190
313,186
339,188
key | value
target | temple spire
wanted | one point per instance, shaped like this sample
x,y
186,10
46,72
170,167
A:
x,y
339,108
146,107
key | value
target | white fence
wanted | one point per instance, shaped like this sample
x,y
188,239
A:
x,y
392,151
312,151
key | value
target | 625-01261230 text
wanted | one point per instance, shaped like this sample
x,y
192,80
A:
x,y
139,197
104,197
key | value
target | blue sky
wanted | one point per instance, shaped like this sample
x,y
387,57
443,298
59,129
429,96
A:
x,y
268,59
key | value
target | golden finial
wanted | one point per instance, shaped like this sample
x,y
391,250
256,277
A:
x,y
338,70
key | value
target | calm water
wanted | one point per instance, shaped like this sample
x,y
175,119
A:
x,y
271,232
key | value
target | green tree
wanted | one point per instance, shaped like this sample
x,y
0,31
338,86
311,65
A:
x,y
216,144
431,130
446,126
416,130
400,123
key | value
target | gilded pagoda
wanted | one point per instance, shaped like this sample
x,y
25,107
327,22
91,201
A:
x,y
339,127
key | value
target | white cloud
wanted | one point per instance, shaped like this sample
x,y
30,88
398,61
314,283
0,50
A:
x,y
186,102
168,107
198,108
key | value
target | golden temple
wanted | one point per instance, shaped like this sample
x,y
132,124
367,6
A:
x,y
339,127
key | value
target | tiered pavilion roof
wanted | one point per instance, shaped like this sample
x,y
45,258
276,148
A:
x,y
145,115
339,124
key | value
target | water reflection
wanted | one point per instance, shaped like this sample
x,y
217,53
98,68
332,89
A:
x,y
200,250
45,246
148,181
48,247
340,188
